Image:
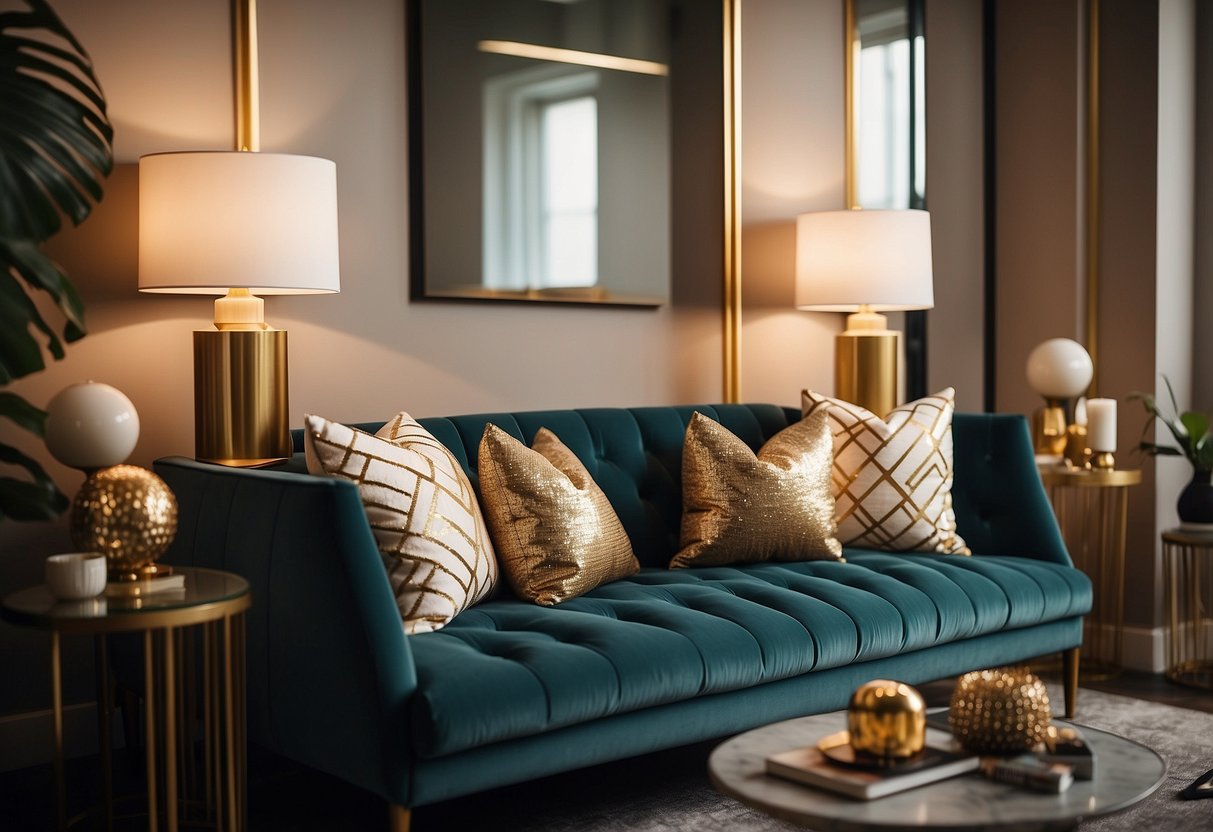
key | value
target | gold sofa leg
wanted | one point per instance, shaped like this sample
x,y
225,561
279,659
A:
x,y
399,818
1069,669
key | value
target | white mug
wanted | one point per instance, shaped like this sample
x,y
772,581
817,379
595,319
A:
x,y
75,576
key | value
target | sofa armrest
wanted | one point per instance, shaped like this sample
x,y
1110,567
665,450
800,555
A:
x,y
329,668
1001,505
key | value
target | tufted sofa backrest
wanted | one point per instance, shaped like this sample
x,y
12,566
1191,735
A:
x,y
635,456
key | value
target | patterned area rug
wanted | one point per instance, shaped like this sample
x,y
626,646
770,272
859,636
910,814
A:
x,y
669,792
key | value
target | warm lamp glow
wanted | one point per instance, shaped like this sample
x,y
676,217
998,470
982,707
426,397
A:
x,y
878,259
213,221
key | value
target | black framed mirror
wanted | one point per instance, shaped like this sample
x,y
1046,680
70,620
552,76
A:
x,y
541,148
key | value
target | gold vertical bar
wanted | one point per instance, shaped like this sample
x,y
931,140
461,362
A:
x,y
57,728
732,200
248,105
216,732
229,723
241,722
170,731
105,709
149,725
1168,579
850,40
1093,229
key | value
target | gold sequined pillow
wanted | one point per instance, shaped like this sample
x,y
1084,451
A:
x,y
555,531
739,507
422,510
893,477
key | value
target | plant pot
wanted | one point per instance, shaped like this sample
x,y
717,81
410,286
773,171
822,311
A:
x,y
1196,500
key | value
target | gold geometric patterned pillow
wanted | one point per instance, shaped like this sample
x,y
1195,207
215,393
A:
x,y
422,510
892,477
555,531
738,507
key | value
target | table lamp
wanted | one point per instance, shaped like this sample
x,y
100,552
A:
x,y
1058,369
238,224
865,263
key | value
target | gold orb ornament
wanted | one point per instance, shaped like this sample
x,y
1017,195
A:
x,y
1002,710
887,720
130,515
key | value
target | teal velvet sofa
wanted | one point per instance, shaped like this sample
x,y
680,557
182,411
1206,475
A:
x,y
511,691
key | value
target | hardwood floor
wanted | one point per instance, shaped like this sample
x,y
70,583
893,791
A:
x,y
284,796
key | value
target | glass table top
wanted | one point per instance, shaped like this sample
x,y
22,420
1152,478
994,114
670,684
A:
x,y
204,591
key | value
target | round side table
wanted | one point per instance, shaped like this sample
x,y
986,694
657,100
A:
x,y
211,604
1189,585
1092,511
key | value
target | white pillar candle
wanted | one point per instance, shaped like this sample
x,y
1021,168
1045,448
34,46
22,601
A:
x,y
1080,411
1101,425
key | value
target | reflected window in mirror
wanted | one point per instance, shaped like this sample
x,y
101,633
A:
x,y
890,91
541,149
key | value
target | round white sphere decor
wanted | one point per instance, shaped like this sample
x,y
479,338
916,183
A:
x,y
91,425
1059,369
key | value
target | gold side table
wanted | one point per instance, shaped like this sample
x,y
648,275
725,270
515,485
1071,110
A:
x,y
1092,509
211,606
1189,586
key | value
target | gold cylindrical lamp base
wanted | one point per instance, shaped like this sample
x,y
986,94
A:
x,y
240,397
865,369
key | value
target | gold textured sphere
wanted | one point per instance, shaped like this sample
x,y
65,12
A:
x,y
887,719
1005,709
126,512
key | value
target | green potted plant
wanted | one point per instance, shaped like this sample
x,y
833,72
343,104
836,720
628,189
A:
x,y
55,149
1194,441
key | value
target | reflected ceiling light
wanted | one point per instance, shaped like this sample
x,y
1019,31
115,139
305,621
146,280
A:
x,y
571,56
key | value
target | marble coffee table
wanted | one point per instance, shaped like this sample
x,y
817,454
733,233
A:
x,y
1125,772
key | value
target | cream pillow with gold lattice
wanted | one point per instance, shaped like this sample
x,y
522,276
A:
x,y
422,510
892,477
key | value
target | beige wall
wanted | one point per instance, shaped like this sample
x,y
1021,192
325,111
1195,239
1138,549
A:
x,y
792,162
955,198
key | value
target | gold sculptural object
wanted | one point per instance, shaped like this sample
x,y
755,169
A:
x,y
887,719
999,710
130,515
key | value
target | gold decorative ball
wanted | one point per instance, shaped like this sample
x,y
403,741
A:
x,y
887,719
1001,710
126,512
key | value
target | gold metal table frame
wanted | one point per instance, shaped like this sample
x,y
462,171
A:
x,y
1189,586
1092,510
212,788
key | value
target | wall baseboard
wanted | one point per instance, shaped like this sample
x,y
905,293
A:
x,y
28,739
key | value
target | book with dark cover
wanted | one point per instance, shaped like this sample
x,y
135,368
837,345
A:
x,y
809,766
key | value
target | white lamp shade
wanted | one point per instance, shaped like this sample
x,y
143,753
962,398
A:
x,y
881,259
1059,368
213,221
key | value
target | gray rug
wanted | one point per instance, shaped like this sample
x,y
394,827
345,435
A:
x,y
669,792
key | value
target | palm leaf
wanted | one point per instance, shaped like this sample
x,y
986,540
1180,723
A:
x,y
55,139
55,150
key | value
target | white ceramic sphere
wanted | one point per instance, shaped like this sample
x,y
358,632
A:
x,y
1059,369
91,425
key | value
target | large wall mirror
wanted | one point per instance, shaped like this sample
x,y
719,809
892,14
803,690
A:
x,y
886,128
540,148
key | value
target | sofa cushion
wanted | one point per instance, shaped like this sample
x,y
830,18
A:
x,y
508,669
893,476
419,504
554,530
742,507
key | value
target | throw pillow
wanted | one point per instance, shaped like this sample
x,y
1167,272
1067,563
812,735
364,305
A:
x,y
422,510
893,477
555,531
741,507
